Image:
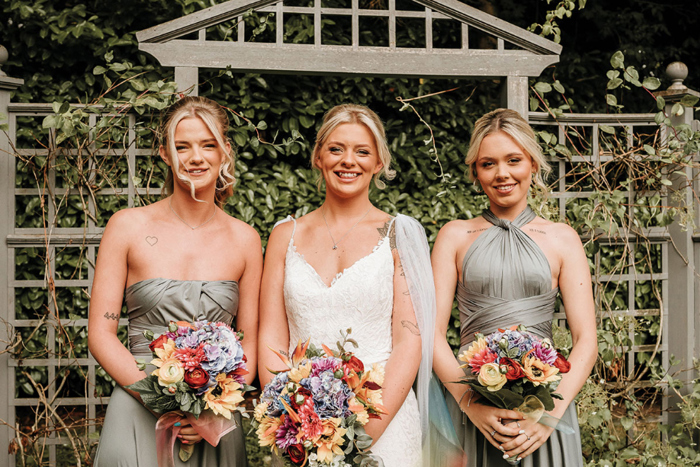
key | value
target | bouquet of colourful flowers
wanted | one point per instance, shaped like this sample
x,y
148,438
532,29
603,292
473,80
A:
x,y
517,370
199,375
313,414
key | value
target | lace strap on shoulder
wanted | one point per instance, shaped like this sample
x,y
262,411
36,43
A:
x,y
285,220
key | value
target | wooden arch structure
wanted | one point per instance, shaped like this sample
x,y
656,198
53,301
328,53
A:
x,y
514,56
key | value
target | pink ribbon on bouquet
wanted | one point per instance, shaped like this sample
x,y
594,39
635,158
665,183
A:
x,y
210,426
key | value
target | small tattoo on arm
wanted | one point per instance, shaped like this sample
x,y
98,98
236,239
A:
x,y
538,231
113,316
477,230
412,327
151,240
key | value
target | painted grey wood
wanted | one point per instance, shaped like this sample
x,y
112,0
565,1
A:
x,y
514,94
493,25
199,20
7,216
682,270
187,79
338,60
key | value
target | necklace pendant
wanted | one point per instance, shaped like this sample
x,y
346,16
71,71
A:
x,y
335,247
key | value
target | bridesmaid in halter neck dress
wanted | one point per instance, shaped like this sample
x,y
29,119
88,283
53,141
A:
x,y
181,258
338,267
507,267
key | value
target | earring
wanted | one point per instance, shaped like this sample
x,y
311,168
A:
x,y
477,186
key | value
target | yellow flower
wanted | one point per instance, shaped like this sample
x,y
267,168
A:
x,y
376,374
490,376
539,372
164,353
266,431
226,402
259,412
473,349
170,372
300,372
331,439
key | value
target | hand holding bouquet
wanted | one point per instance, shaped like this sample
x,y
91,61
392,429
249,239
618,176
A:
x,y
314,412
199,375
517,370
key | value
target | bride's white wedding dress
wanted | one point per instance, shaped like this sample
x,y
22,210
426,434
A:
x,y
361,298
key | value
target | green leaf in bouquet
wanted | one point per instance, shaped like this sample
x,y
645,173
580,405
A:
x,y
144,386
140,364
503,398
542,393
363,441
148,334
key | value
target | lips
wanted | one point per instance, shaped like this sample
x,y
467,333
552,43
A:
x,y
505,188
347,175
196,172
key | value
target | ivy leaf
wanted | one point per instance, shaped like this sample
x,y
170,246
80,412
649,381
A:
x,y
660,103
627,423
651,83
618,60
659,117
689,100
677,109
543,88
607,128
611,100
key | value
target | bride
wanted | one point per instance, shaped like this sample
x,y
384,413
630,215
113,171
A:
x,y
339,267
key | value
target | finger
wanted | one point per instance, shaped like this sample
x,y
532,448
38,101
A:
x,y
520,451
512,445
511,430
509,415
188,431
491,437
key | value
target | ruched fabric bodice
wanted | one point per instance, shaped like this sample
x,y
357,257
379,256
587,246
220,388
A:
x,y
128,433
506,281
152,303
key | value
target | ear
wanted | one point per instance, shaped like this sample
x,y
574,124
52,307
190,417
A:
x,y
227,147
378,168
317,161
164,155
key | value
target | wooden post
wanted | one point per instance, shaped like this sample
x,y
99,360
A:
x,y
187,79
7,225
683,284
514,94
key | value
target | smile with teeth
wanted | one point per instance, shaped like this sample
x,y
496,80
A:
x,y
505,188
196,171
347,174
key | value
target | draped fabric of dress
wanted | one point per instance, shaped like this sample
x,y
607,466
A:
x,y
361,297
506,281
128,434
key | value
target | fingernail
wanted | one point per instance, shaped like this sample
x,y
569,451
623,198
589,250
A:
x,y
521,432
178,424
506,456
501,448
518,459
184,441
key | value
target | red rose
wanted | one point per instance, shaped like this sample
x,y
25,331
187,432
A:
x,y
354,364
297,453
158,343
196,378
515,371
562,364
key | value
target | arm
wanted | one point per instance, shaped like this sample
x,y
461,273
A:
x,y
106,303
577,297
249,288
445,262
274,329
402,366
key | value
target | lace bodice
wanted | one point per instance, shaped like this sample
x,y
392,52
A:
x,y
361,298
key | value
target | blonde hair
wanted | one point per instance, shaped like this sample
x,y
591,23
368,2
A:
x,y
216,120
359,114
514,125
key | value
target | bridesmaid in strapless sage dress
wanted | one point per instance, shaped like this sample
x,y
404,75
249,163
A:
x,y
152,304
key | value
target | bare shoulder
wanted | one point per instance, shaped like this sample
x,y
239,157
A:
x,y
562,236
131,220
461,228
242,231
281,234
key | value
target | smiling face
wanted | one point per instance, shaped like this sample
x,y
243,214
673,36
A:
x,y
504,171
199,155
348,160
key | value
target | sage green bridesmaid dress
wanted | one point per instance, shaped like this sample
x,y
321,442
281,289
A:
x,y
506,281
128,434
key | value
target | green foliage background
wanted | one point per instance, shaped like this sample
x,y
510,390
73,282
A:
x,y
77,51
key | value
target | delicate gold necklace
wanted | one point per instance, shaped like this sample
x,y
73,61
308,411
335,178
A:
x,y
335,244
170,203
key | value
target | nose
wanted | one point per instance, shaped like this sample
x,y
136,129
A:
x,y
196,155
348,159
502,171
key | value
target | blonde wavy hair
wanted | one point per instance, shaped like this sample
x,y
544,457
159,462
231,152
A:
x,y
216,120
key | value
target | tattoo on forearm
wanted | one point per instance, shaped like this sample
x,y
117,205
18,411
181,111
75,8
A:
x,y
151,240
477,230
538,231
113,316
412,327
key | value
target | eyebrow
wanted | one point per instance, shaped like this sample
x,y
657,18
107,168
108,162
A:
x,y
207,140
